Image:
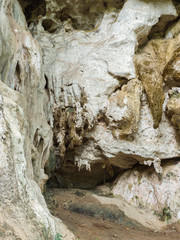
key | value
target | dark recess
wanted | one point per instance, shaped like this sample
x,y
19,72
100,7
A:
x,y
32,9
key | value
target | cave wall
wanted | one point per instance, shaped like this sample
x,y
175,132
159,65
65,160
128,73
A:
x,y
113,85
109,85
88,89
25,135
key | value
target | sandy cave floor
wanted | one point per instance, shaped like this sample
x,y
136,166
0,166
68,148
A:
x,y
89,220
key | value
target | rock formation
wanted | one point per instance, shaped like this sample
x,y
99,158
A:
x,y
25,134
88,90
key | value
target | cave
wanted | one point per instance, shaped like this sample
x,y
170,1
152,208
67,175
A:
x,y
89,119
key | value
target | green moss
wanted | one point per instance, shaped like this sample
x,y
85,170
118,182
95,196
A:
x,y
165,215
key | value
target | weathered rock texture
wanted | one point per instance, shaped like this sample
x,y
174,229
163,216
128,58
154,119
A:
x,y
86,71
25,136
144,188
93,86
173,109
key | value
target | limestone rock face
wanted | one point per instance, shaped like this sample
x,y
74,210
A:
x,y
123,109
173,108
150,65
85,94
86,71
171,70
23,211
25,136
107,94
145,188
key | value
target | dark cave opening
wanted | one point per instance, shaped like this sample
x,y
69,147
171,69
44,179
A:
x,y
66,174
69,176
32,9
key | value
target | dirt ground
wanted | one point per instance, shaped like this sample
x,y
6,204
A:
x,y
89,220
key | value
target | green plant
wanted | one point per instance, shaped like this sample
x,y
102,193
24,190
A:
x,y
166,214
175,94
58,236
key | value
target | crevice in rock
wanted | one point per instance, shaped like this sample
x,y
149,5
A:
x,y
35,141
47,82
40,145
49,25
32,9
18,82
177,5
159,29
171,73
171,25
18,71
122,80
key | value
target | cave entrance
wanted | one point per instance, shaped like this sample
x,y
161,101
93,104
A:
x,y
66,174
